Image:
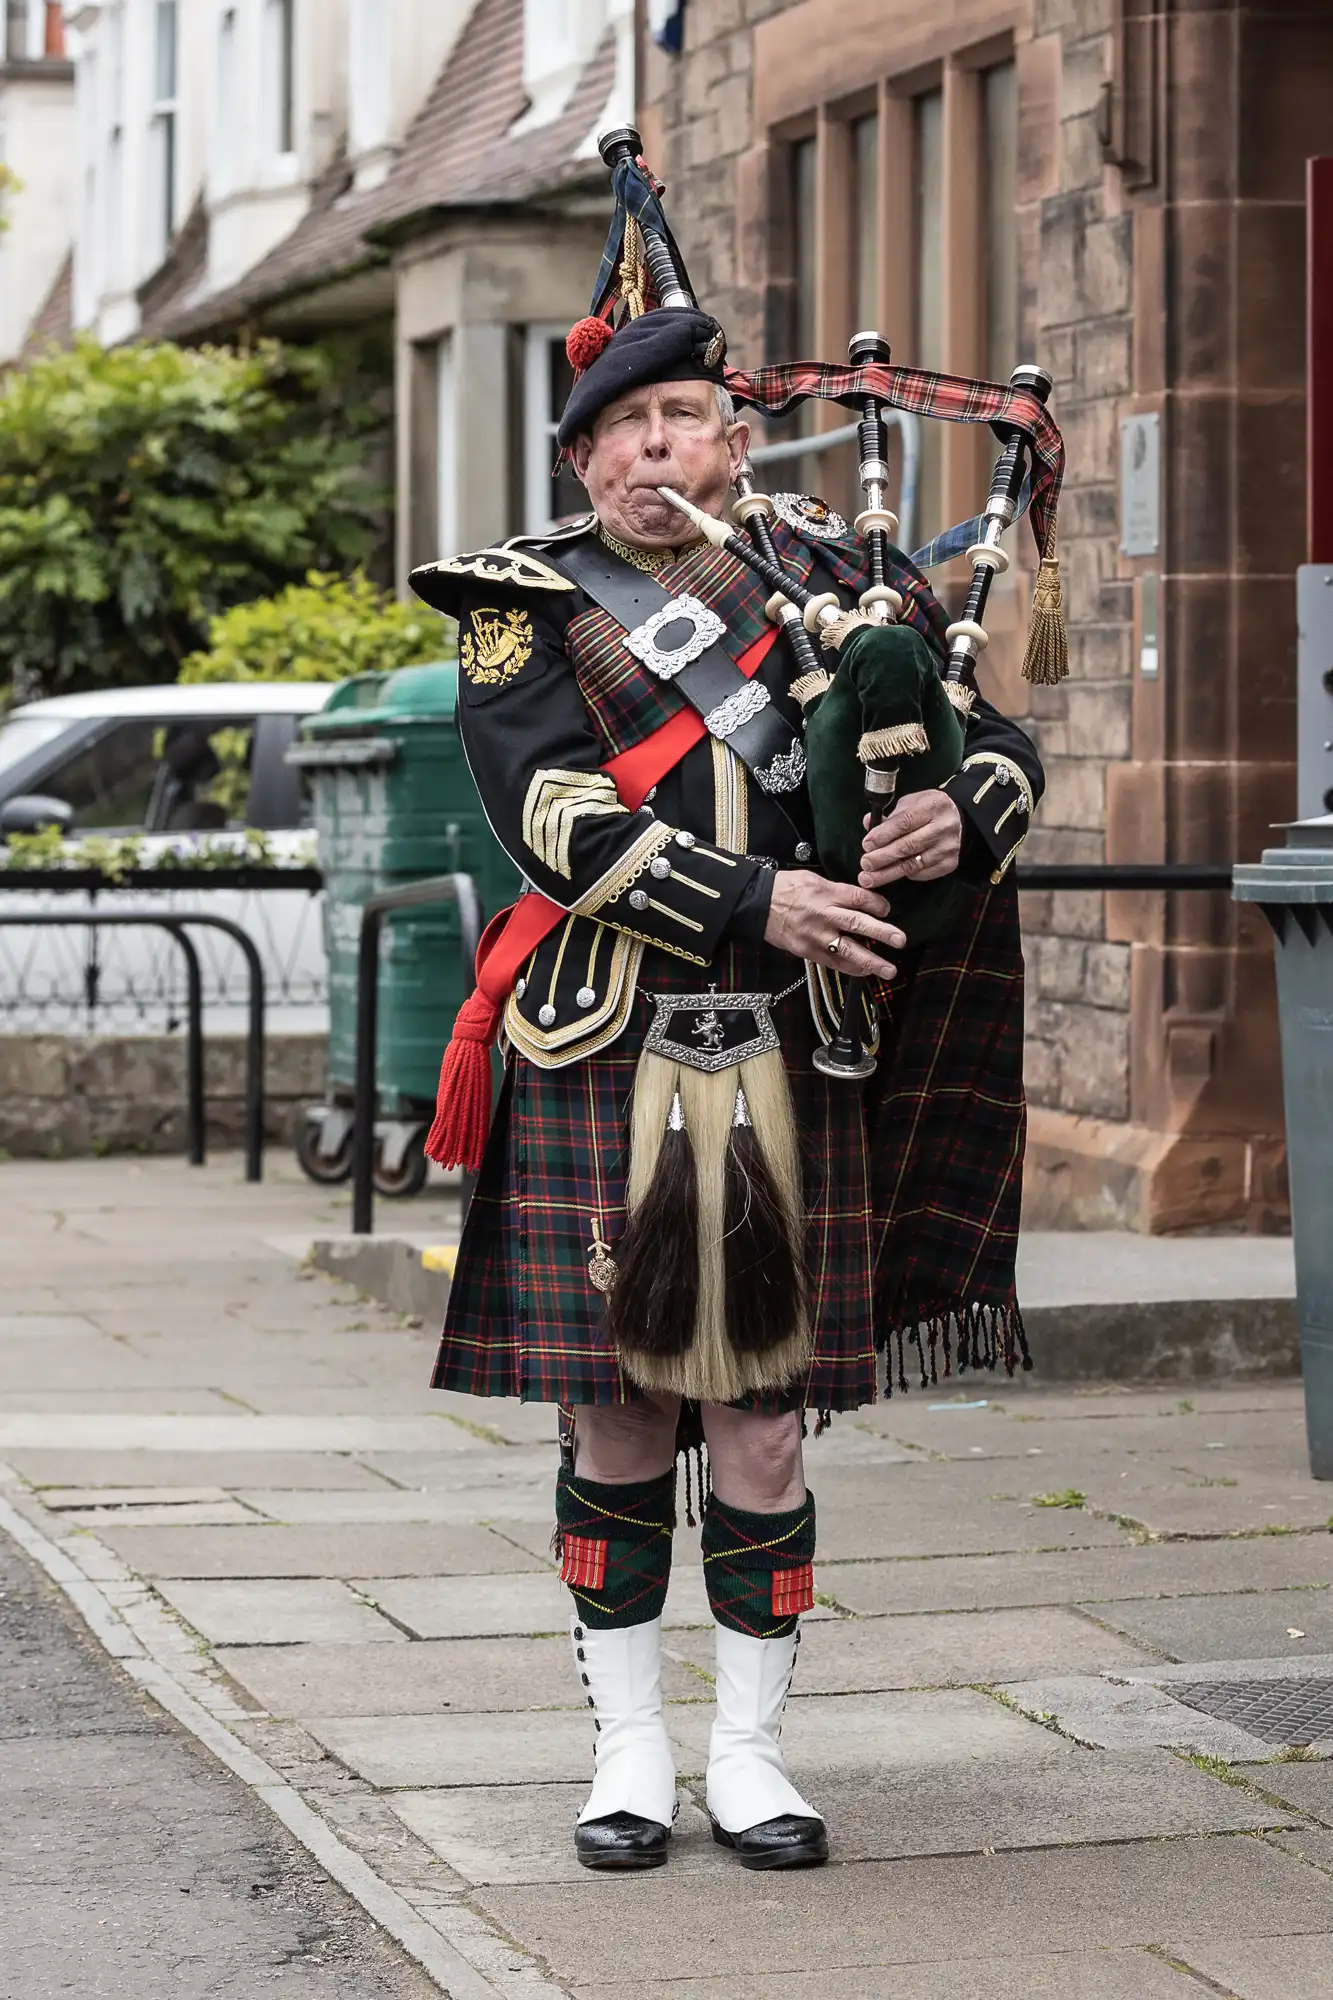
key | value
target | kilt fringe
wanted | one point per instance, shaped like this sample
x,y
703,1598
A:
x,y
949,1343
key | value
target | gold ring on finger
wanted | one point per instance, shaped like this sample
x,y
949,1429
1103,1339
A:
x,y
834,946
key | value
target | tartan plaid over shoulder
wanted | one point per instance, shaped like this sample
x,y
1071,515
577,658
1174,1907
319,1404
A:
x,y
626,703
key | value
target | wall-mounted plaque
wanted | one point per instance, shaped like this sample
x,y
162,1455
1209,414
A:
x,y
1140,486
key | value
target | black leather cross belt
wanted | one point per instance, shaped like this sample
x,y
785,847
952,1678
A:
x,y
677,638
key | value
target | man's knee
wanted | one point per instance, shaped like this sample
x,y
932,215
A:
x,y
759,1456
626,1441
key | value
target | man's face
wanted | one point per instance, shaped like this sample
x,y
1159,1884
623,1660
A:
x,y
670,434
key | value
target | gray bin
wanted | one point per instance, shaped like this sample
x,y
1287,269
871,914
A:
x,y
1293,886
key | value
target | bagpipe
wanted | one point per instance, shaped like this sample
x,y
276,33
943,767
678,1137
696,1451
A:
x,y
884,716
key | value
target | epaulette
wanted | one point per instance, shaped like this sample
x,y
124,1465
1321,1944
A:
x,y
502,564
508,565
569,531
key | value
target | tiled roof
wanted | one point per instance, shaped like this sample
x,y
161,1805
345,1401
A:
x,y
179,277
328,242
53,324
459,152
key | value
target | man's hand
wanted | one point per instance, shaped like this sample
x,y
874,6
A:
x,y
920,841
834,923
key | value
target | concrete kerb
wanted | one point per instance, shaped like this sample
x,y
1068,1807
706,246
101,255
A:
x,y
424,1941
1122,1340
407,1273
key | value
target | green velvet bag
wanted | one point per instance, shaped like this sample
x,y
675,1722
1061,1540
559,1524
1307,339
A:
x,y
886,696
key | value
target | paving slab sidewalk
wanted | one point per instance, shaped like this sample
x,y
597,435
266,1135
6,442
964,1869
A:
x,y
355,1594
1103,1305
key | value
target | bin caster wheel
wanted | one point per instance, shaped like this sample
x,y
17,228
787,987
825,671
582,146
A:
x,y
409,1176
325,1169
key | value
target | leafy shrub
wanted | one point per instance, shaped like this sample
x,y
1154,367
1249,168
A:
x,y
146,488
324,629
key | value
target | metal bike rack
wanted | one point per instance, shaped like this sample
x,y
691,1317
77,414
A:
x,y
175,926
460,889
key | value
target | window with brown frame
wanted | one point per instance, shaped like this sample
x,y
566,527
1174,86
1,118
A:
x,y
902,216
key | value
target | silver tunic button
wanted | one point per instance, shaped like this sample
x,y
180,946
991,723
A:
x,y
804,851
520,988
1001,774
546,1015
585,996
660,867
650,795
638,899
685,840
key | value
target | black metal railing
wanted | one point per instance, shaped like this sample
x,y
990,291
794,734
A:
x,y
175,926
93,982
459,889
1107,875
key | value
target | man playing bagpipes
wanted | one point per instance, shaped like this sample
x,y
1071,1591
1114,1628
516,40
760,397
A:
x,y
762,1115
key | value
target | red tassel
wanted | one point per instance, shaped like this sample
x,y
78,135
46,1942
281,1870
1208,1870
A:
x,y
463,1102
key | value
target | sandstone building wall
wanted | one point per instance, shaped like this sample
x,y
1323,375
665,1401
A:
x,y
1158,206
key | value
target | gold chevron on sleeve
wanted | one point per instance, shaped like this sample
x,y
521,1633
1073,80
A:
x,y
555,801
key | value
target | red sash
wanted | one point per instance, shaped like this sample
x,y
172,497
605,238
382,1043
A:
x,y
463,1103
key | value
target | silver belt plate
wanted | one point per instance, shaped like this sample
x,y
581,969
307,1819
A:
x,y
699,629
712,1031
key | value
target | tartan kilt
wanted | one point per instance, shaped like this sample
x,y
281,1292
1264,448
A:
x,y
524,1320
913,1185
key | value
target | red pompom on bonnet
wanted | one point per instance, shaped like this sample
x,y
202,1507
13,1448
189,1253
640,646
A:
x,y
586,339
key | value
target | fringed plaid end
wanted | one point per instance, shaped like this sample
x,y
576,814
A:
x,y
793,1591
951,1343
583,1563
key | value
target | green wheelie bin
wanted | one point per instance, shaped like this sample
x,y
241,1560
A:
x,y
394,802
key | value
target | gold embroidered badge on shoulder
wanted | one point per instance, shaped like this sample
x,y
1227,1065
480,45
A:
x,y
505,565
496,647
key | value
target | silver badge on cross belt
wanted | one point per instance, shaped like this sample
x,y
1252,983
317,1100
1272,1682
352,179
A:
x,y
712,1031
785,773
699,629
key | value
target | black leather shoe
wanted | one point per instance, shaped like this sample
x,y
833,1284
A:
x,y
622,1840
789,1842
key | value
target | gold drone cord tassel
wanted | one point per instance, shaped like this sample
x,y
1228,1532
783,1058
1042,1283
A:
x,y
633,269
1046,661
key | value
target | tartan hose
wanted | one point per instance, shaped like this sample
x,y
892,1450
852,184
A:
x,y
615,1547
759,1567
